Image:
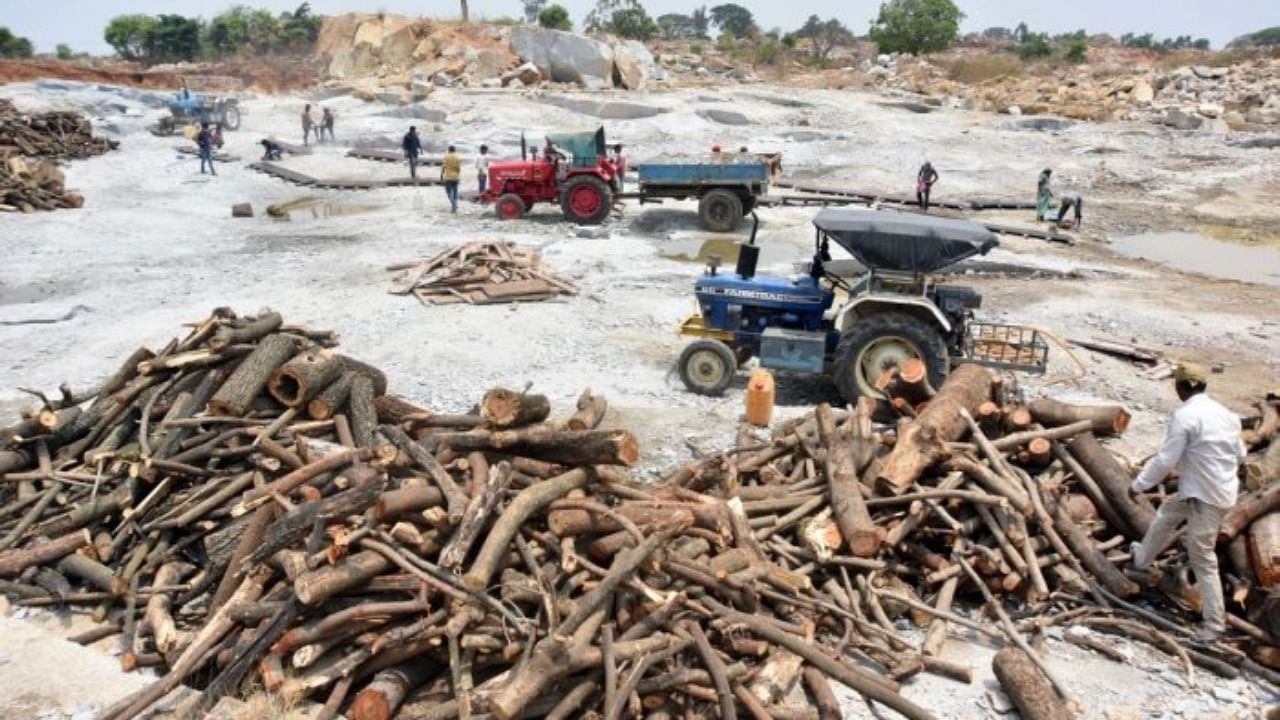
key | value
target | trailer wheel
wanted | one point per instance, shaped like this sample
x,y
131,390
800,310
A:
x,y
880,342
586,200
510,207
231,116
720,210
707,367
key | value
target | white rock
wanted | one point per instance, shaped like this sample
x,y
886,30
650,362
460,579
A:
x,y
999,701
1013,110
1209,110
1142,92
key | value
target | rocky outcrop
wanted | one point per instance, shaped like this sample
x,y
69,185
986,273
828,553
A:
x,y
724,117
634,66
610,110
564,56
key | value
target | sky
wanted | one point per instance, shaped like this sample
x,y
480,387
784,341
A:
x,y
79,23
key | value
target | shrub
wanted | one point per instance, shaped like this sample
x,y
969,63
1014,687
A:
x,y
726,41
983,68
696,48
1034,46
916,26
1077,50
14,46
555,17
63,51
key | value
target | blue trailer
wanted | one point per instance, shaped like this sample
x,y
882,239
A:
x,y
726,185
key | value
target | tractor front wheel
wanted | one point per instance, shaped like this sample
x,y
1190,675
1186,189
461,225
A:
x,y
707,367
510,207
720,210
586,200
880,343
231,117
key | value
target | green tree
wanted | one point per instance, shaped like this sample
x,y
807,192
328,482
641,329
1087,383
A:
x,y
824,35
532,8
300,28
633,23
1034,46
1077,50
734,19
675,26
701,22
127,35
555,17
916,26
63,51
173,38
243,30
14,46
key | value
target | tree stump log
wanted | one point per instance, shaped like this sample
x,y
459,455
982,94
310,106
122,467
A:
x,y
237,394
304,377
503,408
1106,420
1027,686
1113,481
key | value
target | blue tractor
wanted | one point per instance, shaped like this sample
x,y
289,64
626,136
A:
x,y
855,332
188,108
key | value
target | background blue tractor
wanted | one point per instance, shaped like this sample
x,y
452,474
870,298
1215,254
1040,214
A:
x,y
820,323
188,108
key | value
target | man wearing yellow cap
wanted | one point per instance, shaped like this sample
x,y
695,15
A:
x,y
1204,444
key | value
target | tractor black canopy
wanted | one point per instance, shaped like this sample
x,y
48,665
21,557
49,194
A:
x,y
883,240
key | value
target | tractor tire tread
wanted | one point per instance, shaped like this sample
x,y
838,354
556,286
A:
x,y
928,340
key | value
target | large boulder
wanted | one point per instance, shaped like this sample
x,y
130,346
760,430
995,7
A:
x,y
611,110
416,111
1181,119
634,65
564,56
724,117
1142,92
527,74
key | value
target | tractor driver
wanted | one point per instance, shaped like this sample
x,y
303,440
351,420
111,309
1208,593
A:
x,y
556,156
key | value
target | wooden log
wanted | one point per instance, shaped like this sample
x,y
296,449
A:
x,y
1105,420
476,517
249,332
393,409
1261,472
1248,508
363,415
360,367
288,483
824,699
1028,688
1084,548
383,696
937,632
91,571
11,460
849,509
13,562
332,399
913,378
394,503
293,526
236,396
303,377
157,617
922,441
529,501
319,585
248,539
591,410
570,447
503,408
572,522
1264,548
1113,481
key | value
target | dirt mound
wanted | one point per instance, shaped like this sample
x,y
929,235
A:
x,y
275,74
113,73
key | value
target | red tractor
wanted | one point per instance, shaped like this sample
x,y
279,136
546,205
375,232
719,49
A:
x,y
574,170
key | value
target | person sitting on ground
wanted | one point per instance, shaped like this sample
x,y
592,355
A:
x,y
1044,195
482,168
1075,203
271,151
1203,443
924,184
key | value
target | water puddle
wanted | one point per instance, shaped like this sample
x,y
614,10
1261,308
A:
x,y
315,208
1196,253
700,250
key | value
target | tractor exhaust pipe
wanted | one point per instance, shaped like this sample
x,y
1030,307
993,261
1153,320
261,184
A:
x,y
749,252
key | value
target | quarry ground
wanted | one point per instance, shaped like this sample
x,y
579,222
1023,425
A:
x,y
155,246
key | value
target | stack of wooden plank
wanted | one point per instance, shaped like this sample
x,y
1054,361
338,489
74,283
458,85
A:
x,y
483,272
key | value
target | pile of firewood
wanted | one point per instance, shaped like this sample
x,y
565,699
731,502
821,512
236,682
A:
x,y
249,508
61,135
479,273
29,178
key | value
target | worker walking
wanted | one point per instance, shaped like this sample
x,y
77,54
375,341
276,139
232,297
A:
x,y
1203,443
326,124
308,124
1044,194
924,184
412,146
482,168
204,141
451,173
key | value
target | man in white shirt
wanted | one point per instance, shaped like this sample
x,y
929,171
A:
x,y
1204,444
482,168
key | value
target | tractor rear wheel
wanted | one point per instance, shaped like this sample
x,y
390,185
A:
x,y
881,342
707,367
720,210
586,200
510,207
